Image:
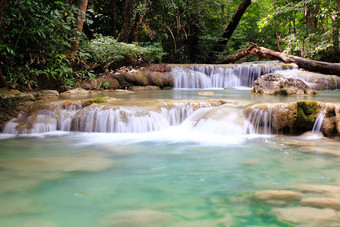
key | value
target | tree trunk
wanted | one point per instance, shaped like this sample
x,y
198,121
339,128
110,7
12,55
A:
x,y
127,15
137,23
310,65
3,82
277,37
235,20
230,29
114,17
3,4
82,5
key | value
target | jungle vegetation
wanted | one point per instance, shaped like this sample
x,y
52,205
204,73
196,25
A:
x,y
47,44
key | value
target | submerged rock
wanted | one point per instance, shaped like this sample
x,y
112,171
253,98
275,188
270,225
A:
x,y
58,164
284,195
322,203
137,218
206,93
275,84
306,216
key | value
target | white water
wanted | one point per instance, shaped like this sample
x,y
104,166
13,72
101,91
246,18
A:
x,y
209,76
319,120
179,121
260,121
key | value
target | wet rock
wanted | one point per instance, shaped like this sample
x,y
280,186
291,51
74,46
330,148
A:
x,y
284,195
316,81
144,88
75,93
48,95
206,93
306,216
296,117
275,84
312,134
160,79
137,218
332,203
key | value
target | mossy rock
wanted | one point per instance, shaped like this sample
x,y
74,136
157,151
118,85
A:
x,y
307,112
96,100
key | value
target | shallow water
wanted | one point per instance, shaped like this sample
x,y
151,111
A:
x,y
185,176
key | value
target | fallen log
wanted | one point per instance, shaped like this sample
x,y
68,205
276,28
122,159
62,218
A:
x,y
307,64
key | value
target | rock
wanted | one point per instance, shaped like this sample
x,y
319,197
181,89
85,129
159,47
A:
x,y
275,84
316,81
312,134
16,205
137,218
58,164
306,216
322,203
160,79
295,117
75,93
206,93
49,94
144,88
277,195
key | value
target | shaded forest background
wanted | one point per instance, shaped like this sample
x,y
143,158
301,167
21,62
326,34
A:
x,y
61,42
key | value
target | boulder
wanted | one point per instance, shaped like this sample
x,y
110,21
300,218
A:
x,y
296,117
275,84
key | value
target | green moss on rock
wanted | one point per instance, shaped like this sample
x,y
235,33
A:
x,y
307,112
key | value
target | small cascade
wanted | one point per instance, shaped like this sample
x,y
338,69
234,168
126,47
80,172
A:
x,y
44,118
259,121
99,118
319,120
222,120
225,76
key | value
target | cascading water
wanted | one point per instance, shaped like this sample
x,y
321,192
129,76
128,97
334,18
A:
x,y
319,120
98,118
259,120
214,76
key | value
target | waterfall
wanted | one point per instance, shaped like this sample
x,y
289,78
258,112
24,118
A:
x,y
220,76
99,118
319,120
259,121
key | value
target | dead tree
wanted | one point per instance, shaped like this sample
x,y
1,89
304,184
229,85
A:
x,y
307,64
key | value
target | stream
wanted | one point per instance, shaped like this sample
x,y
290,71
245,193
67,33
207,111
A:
x,y
164,158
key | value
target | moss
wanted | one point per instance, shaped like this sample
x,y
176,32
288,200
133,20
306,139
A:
x,y
95,100
306,114
281,92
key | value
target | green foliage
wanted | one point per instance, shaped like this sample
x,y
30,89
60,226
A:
x,y
106,50
35,36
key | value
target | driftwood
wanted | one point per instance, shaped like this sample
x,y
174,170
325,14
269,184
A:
x,y
307,64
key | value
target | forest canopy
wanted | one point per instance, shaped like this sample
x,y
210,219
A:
x,y
64,41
